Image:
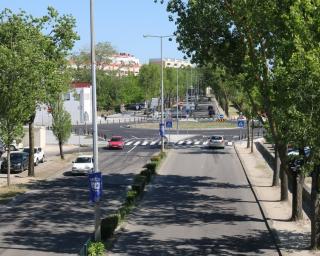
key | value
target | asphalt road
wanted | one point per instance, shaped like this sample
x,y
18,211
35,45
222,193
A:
x,y
201,204
55,218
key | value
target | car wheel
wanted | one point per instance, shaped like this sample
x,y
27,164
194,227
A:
x,y
37,162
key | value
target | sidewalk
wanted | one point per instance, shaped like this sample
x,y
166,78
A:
x,y
293,237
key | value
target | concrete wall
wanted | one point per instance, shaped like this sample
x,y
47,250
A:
x,y
39,137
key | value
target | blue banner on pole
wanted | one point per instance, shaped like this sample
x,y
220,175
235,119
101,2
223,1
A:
x,y
240,123
169,123
95,186
161,129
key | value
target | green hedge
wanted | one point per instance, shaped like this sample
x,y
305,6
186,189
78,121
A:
x,y
108,225
146,173
151,167
96,249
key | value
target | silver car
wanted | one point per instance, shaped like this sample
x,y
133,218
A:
x,y
216,141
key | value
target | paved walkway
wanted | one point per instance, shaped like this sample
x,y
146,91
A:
x,y
293,237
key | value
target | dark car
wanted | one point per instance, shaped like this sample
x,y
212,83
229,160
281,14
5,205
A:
x,y
18,162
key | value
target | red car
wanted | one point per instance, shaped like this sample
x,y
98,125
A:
x,y
116,142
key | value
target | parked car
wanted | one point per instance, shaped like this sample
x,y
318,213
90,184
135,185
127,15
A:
x,y
39,156
19,162
116,142
82,165
216,141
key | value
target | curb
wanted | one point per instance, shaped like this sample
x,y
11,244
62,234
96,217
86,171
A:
x,y
268,223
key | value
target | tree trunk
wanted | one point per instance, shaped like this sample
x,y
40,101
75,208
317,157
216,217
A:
x,y
297,190
315,213
31,147
8,166
275,178
283,172
248,132
61,150
252,134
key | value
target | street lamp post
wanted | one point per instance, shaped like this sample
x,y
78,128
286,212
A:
x,y
177,100
97,213
162,101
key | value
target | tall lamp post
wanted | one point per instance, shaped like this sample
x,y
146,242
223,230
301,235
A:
x,y
162,108
177,100
97,213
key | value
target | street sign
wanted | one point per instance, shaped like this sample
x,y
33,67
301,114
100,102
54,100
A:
x,y
161,129
221,116
240,123
95,186
169,124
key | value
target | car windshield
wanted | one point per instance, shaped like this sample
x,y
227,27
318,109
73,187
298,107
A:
x,y
216,138
81,160
27,150
15,157
116,139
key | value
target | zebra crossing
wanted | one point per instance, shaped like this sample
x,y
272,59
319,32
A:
x,y
198,142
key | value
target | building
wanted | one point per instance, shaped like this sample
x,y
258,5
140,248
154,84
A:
x,y
121,64
78,102
171,63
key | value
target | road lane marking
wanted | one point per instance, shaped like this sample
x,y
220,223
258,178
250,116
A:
x,y
137,143
189,142
131,149
180,142
129,143
154,142
145,143
197,142
205,143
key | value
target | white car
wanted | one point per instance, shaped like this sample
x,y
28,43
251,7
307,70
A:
x,y
39,156
216,141
82,165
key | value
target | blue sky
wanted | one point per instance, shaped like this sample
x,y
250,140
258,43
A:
x,y
121,22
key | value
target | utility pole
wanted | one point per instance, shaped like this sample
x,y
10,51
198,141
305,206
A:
x,y
97,213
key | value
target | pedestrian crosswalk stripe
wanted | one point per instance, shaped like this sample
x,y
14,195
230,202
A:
x,y
197,142
154,142
129,143
189,142
137,143
145,143
180,142
205,142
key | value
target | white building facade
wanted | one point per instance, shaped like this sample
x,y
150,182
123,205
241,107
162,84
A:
x,y
78,102
172,63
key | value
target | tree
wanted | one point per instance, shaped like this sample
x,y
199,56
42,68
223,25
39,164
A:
x,y
61,125
104,52
20,59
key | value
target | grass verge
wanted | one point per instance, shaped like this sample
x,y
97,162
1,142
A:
x,y
8,193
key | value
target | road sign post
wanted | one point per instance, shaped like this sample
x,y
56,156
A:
x,y
169,125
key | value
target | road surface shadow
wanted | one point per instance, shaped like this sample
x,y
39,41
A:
x,y
56,216
184,201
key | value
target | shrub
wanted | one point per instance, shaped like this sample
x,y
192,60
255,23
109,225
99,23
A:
x,y
124,210
151,167
139,187
155,158
146,173
95,249
108,225
162,155
139,179
131,196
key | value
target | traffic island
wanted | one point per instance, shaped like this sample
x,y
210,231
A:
x,y
113,222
